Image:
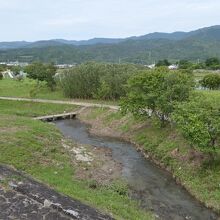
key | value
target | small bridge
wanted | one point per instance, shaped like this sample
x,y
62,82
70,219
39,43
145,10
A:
x,y
48,118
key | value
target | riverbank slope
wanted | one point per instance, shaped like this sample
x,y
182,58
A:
x,y
166,147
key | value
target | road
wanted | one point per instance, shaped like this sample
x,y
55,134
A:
x,y
84,104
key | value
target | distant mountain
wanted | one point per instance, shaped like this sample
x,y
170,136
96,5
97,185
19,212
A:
x,y
93,41
13,45
57,42
198,44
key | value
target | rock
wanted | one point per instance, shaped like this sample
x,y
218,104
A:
x,y
12,185
72,213
83,158
47,203
175,152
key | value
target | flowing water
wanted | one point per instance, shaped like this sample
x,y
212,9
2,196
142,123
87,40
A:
x,y
154,188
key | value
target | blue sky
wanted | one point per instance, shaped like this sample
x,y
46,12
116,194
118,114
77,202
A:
x,y
83,19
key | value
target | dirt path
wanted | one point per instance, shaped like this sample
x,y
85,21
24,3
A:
x,y
21,197
85,104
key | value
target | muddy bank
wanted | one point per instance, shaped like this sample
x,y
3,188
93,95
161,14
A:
x,y
93,163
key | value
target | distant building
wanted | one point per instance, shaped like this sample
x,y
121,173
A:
x,y
152,66
8,74
21,74
173,67
16,63
65,66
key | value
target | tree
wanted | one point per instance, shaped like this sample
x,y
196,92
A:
x,y
164,62
185,64
213,63
97,80
156,92
199,121
2,68
42,72
16,69
211,81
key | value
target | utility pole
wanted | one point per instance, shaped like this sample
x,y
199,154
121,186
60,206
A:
x,y
150,57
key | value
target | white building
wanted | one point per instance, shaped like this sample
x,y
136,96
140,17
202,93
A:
x,y
152,66
173,67
8,74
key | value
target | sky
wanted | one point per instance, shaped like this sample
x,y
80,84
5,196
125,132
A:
x,y
33,20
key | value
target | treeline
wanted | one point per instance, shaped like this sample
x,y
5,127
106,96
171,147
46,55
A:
x,y
97,80
212,63
170,98
211,81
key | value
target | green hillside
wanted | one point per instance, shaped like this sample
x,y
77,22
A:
x,y
199,44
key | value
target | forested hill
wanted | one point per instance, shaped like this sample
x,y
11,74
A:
x,y
199,44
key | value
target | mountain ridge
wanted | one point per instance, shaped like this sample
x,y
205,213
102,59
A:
x,y
199,44
178,35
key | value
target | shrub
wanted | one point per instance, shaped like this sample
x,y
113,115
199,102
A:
x,y
211,81
97,80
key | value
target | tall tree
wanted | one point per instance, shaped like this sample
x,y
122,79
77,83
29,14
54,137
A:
x,y
42,72
164,62
156,92
211,81
199,121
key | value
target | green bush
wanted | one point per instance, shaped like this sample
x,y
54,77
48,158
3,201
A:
x,y
97,80
211,81
199,121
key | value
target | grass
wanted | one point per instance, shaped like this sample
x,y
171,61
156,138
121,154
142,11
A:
x,y
36,148
213,95
200,74
14,88
32,109
25,89
202,179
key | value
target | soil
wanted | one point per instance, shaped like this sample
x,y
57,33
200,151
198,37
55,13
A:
x,y
93,163
97,127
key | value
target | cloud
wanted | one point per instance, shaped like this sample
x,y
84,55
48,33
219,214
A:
x,y
83,19
66,22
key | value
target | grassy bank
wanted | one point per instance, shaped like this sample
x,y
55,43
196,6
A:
x,y
213,95
37,148
167,147
24,88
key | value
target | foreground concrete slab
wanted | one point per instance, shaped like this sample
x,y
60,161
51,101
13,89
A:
x,y
22,197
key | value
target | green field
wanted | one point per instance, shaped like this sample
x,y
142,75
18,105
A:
x,y
212,95
199,75
32,109
36,148
24,88
14,88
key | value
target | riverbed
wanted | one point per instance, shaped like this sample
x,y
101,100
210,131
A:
x,y
152,187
